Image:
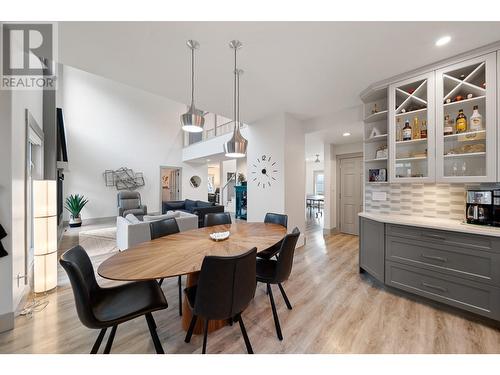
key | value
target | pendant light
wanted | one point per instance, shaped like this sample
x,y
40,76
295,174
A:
x,y
317,159
192,121
236,147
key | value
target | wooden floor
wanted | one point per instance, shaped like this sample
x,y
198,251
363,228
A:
x,y
335,310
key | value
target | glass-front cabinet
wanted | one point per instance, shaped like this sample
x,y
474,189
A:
x,y
412,130
466,121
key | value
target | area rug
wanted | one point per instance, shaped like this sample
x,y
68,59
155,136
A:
x,y
98,241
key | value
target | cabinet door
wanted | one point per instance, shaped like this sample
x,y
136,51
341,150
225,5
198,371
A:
x,y
372,247
412,130
466,151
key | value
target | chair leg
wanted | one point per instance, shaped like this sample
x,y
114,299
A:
x,y
160,282
275,313
205,335
98,342
189,333
285,297
154,334
111,337
180,295
245,336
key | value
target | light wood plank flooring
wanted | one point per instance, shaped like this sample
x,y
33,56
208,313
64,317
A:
x,y
335,310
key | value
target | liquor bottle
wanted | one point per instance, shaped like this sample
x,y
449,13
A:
x,y
423,130
476,120
399,130
407,131
416,128
461,122
448,125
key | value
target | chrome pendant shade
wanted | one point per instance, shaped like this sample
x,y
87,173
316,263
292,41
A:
x,y
193,120
236,147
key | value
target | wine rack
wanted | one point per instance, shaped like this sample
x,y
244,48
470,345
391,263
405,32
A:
x,y
412,129
466,154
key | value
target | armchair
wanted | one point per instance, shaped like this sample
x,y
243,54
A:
x,y
129,202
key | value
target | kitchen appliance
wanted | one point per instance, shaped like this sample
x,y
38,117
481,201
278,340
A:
x,y
479,207
496,208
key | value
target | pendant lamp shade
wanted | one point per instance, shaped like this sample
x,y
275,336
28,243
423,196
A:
x,y
236,147
193,120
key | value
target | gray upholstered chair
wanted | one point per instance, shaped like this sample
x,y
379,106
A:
x,y
129,202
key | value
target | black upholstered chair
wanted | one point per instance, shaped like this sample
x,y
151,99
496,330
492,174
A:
x,y
162,228
270,271
218,218
102,308
225,288
274,219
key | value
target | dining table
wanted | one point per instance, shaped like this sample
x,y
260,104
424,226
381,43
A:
x,y
183,253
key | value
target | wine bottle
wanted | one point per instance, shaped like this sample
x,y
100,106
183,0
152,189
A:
x,y
423,130
461,122
416,128
476,120
407,131
448,125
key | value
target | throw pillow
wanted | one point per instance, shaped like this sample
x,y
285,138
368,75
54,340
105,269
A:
x,y
189,205
132,219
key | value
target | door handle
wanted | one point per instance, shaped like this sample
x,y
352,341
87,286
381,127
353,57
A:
x,y
437,287
433,257
434,236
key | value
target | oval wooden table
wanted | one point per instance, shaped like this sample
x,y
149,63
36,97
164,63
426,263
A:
x,y
182,254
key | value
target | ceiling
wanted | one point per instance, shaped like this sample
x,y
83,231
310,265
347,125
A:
x,y
305,68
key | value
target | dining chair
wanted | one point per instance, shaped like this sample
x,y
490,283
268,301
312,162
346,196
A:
x,y
218,218
270,271
273,218
162,228
225,288
102,308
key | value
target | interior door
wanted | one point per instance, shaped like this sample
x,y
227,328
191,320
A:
x,y
351,190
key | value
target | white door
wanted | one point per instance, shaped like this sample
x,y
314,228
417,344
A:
x,y
351,190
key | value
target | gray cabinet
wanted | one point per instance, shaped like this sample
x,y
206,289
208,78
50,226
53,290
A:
x,y
458,269
372,248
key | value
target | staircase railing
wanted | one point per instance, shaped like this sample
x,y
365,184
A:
x,y
231,179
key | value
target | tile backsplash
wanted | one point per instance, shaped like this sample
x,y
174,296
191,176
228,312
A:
x,y
430,200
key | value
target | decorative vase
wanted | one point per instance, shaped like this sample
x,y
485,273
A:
x,y
75,221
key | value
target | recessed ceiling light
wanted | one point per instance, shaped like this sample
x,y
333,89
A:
x,y
346,134
443,40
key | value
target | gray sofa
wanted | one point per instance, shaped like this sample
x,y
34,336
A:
x,y
131,231
129,202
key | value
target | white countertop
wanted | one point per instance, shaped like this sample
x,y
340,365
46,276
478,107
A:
x,y
433,223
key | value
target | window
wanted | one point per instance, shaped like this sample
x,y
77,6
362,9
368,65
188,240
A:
x,y
319,185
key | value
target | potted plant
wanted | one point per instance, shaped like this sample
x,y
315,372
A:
x,y
74,204
242,179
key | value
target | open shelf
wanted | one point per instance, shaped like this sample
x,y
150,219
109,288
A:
x,y
377,138
465,134
471,100
412,158
411,112
412,141
374,160
378,116
377,182
470,154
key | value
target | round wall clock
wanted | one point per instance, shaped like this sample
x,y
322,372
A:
x,y
264,171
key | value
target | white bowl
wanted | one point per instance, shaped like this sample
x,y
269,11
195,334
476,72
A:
x,y
219,236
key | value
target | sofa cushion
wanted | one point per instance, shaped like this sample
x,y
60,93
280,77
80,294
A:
x,y
189,205
134,211
173,205
204,204
132,219
168,215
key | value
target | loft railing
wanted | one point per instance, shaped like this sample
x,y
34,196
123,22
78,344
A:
x,y
211,129
231,179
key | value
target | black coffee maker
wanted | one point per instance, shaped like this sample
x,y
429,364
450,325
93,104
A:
x,y
479,207
496,208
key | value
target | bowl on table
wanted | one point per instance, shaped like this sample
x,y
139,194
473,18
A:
x,y
219,236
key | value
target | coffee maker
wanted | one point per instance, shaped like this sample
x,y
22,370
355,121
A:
x,y
496,208
479,207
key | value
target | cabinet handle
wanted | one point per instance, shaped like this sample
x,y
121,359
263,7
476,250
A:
x,y
434,286
441,259
434,236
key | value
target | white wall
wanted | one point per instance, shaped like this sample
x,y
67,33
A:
x,y
111,125
281,137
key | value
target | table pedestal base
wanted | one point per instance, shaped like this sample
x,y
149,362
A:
x,y
213,325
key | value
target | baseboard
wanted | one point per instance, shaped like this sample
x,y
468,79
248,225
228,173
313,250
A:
x,y
6,322
97,220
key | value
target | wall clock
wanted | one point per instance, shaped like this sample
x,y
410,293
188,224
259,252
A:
x,y
264,171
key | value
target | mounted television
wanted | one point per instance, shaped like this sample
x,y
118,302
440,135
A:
x,y
62,151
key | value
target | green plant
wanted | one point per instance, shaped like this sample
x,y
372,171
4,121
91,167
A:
x,y
75,203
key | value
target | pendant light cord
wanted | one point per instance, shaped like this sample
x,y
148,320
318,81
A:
x,y
192,76
235,108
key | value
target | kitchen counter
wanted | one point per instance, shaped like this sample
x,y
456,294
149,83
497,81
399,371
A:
x,y
433,223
